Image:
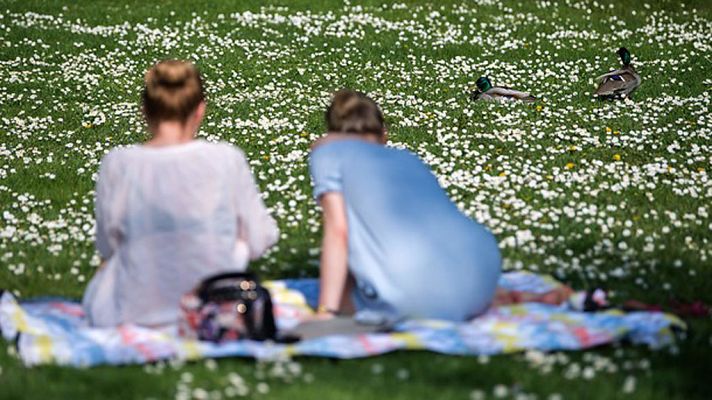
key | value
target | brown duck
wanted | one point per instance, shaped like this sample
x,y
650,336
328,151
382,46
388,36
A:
x,y
619,83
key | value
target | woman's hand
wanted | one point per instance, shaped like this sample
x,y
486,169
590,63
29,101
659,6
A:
x,y
322,316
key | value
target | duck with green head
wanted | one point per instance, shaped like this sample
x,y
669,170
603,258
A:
x,y
619,83
486,92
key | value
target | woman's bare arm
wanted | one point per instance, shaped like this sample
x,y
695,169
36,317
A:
x,y
257,229
334,252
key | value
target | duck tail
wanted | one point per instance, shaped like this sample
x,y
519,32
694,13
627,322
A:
x,y
475,94
529,98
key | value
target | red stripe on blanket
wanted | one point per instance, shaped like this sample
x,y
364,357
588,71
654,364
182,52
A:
x,y
70,309
129,338
363,339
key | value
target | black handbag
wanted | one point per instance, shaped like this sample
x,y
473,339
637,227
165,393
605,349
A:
x,y
228,306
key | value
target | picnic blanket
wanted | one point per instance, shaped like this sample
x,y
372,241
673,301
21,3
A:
x,y
55,331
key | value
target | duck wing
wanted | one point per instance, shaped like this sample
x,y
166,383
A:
x,y
505,93
618,82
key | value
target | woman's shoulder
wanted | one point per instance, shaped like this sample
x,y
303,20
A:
x,y
226,151
339,144
197,145
228,148
218,146
140,155
329,152
117,154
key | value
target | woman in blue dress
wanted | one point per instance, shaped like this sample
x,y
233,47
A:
x,y
395,246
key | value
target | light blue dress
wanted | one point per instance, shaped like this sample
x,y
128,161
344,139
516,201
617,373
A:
x,y
412,253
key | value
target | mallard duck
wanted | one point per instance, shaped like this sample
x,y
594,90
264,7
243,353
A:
x,y
486,92
621,82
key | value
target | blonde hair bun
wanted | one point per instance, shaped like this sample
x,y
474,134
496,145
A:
x,y
171,73
172,91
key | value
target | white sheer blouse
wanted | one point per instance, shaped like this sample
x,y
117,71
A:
x,y
166,218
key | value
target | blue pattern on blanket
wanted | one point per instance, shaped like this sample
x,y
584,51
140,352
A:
x,y
55,331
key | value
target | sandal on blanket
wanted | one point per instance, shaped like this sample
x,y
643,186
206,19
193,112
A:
x,y
591,300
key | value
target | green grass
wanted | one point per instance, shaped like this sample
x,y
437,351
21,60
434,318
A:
x,y
57,74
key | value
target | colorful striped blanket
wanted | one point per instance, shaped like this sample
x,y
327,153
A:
x,y
55,331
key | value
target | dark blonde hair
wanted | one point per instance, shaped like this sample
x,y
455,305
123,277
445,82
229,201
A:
x,y
172,91
354,112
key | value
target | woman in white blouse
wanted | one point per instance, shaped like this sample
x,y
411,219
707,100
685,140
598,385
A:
x,y
172,211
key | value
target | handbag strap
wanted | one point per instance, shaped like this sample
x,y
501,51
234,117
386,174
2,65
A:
x,y
210,286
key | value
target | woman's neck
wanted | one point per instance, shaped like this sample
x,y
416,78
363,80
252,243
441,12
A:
x,y
168,133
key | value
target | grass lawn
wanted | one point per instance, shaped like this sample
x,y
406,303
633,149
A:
x,y
612,194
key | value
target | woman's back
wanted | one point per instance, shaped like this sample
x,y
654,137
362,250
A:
x,y
168,217
409,245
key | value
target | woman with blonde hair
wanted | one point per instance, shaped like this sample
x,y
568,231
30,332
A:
x,y
172,211
394,243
